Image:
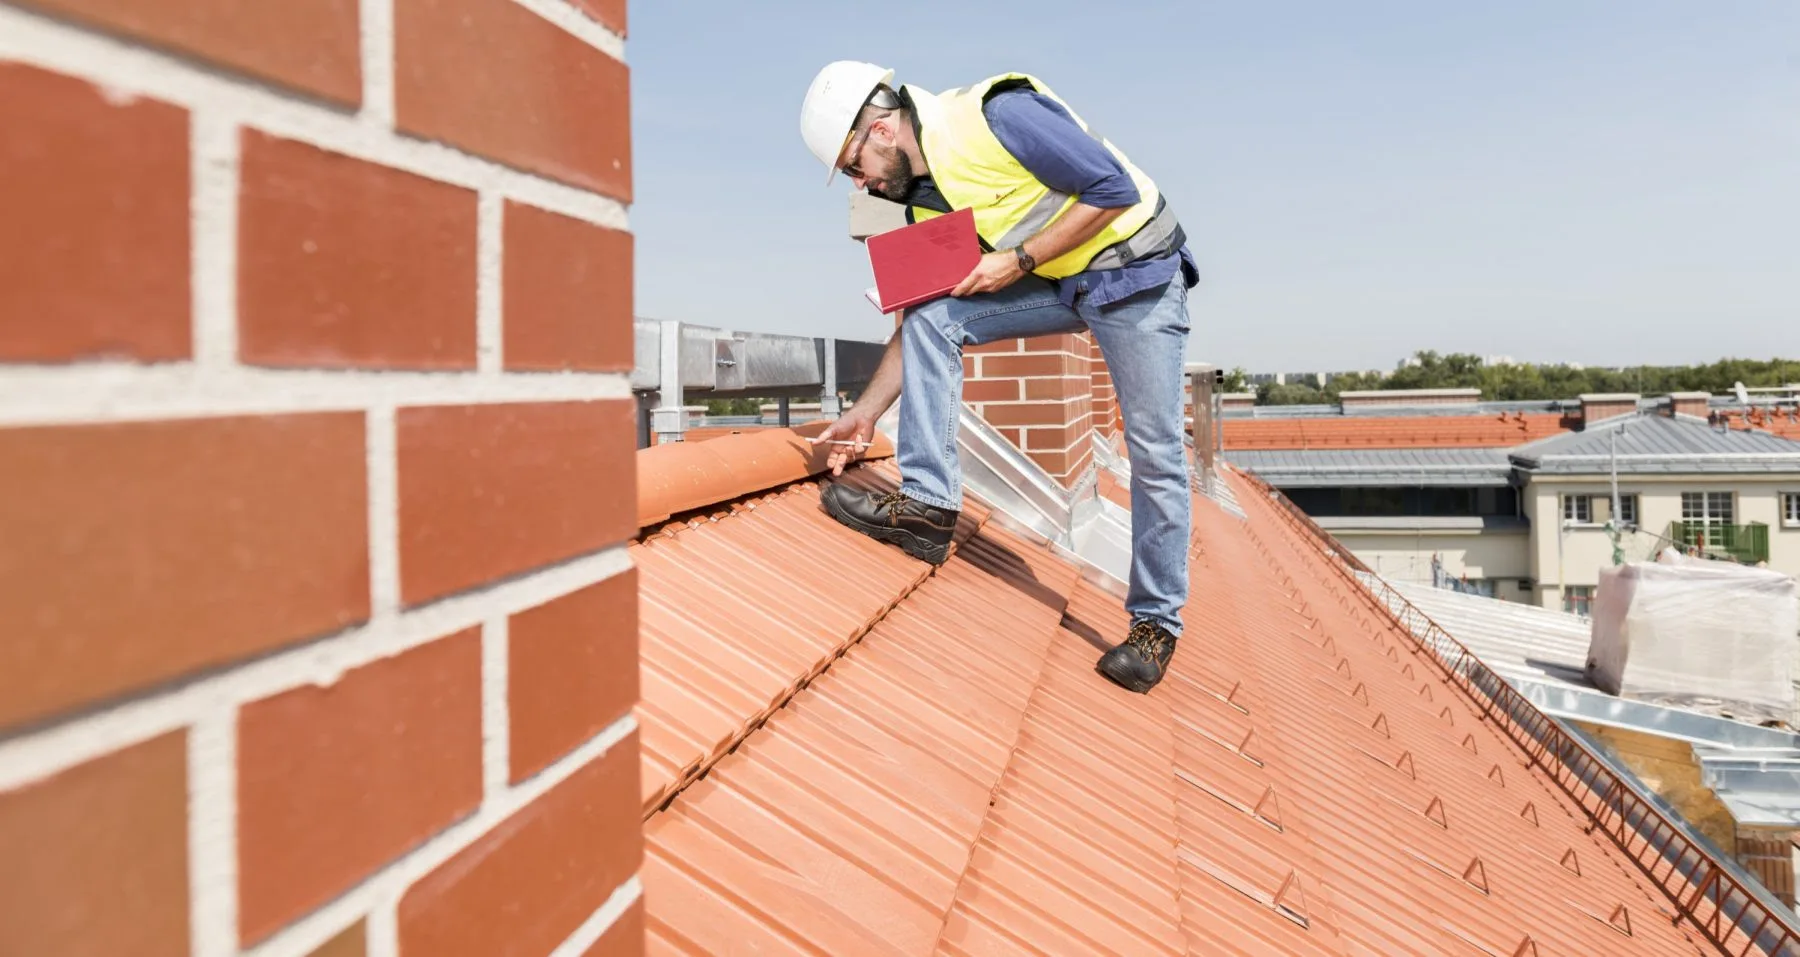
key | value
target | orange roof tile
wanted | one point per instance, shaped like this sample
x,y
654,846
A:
x,y
1496,430
1777,422
849,752
682,476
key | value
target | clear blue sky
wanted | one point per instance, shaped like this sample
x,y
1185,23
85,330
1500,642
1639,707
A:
x,y
1558,180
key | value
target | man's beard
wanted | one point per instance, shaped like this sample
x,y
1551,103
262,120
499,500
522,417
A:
x,y
897,183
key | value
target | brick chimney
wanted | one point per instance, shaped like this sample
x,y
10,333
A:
x,y
276,702
1598,406
1041,394
1689,403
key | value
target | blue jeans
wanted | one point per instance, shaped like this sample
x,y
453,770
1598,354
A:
x,y
1144,340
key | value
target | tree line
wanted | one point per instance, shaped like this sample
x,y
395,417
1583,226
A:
x,y
1525,381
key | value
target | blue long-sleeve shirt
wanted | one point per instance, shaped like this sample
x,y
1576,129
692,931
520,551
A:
x,y
1046,140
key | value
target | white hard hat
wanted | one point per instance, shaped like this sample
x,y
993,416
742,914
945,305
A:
x,y
837,94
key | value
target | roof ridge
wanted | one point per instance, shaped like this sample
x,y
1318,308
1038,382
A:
x,y
683,476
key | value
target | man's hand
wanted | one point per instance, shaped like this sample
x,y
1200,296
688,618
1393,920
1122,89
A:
x,y
849,427
994,272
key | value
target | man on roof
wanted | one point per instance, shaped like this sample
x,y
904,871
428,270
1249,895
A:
x,y
1081,240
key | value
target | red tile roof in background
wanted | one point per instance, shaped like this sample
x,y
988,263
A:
x,y
848,752
1495,430
1778,423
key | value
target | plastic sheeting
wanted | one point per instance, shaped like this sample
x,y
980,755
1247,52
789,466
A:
x,y
1698,634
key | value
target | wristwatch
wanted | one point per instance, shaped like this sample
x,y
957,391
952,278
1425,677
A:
x,y
1026,263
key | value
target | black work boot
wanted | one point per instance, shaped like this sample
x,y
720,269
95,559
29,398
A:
x,y
922,531
1141,660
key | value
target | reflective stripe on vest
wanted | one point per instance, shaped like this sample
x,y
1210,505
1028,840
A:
x,y
973,170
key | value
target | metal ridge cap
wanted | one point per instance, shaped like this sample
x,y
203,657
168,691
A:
x,y
679,477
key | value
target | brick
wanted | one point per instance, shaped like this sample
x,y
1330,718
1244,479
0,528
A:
x,y
94,257
348,264
991,390
523,887
1065,387
625,938
1035,413
1052,439
307,45
136,553
495,79
96,857
567,287
1079,464
1062,465
1063,342
1000,347
335,782
353,942
487,492
1056,463
1015,436
969,369
995,367
610,13
571,670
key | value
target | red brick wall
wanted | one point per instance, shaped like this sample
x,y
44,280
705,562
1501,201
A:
x,y
320,635
1040,394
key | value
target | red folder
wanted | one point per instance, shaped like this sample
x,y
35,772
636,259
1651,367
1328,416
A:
x,y
923,261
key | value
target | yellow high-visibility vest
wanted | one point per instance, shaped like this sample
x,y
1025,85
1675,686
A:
x,y
974,171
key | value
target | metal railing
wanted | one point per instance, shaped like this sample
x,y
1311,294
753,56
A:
x,y
677,362
1748,544
1736,914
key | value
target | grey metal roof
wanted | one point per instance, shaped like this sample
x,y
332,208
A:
x,y
1321,468
1650,443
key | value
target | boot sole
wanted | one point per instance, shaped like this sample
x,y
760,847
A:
x,y
908,542
1137,685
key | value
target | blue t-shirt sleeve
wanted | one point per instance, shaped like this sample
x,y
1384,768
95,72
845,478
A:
x,y
1045,139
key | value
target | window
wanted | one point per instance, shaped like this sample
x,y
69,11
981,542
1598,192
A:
x,y
1430,502
1578,509
1707,508
1447,501
1374,501
1578,599
1627,510
1790,509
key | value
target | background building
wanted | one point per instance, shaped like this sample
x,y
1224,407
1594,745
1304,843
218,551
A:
x,y
1514,500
